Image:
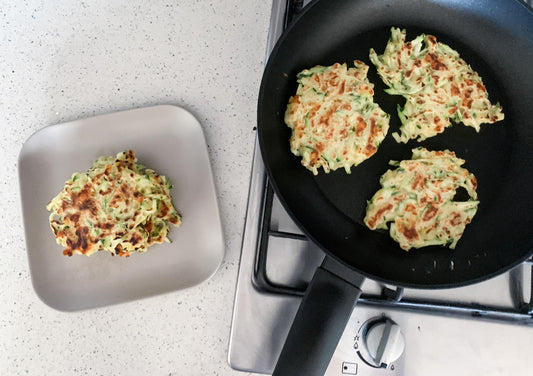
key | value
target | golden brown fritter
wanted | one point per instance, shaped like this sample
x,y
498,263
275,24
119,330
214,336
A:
x,y
333,118
116,206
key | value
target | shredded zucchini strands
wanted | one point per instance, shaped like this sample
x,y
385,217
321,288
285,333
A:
x,y
417,197
333,118
439,86
117,205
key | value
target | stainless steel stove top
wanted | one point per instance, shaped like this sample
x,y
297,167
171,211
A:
x,y
486,328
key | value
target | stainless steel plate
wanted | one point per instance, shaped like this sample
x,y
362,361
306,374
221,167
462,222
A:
x,y
167,139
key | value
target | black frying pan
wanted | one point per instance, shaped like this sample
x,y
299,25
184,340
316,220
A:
x,y
496,38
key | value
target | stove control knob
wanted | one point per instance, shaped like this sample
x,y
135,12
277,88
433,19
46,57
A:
x,y
384,342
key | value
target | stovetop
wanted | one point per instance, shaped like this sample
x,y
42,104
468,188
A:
x,y
486,327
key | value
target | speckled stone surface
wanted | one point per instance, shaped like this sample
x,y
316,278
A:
x,y
65,60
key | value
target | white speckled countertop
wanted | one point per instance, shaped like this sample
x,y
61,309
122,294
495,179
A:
x,y
68,60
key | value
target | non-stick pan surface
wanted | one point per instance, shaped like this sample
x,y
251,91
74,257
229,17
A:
x,y
496,38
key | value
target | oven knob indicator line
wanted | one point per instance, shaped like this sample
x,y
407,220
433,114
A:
x,y
379,342
385,342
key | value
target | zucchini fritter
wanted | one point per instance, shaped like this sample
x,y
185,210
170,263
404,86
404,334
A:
x,y
333,118
439,86
417,197
117,206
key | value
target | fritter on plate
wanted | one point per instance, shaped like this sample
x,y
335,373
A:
x,y
117,205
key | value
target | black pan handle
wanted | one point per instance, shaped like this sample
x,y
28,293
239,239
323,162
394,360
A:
x,y
320,321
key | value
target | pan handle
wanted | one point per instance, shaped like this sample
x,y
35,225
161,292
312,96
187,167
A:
x,y
320,321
